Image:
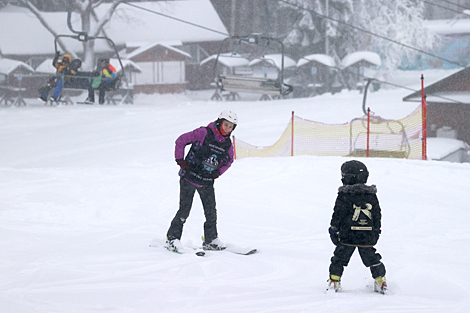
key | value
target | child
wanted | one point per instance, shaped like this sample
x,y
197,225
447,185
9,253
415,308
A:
x,y
210,155
356,223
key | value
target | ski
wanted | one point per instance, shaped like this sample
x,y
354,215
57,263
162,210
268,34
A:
x,y
174,251
252,251
231,248
202,251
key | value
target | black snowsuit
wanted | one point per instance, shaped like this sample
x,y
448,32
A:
x,y
357,216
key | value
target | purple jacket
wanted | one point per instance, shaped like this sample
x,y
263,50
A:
x,y
199,134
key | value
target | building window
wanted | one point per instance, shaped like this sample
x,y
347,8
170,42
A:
x,y
171,72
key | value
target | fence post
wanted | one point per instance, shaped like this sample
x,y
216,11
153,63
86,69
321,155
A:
x,y
234,149
292,136
368,130
424,120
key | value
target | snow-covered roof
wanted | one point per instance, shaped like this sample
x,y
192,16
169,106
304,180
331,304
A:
x,y
448,27
128,65
275,59
46,67
358,56
228,59
320,58
153,45
7,66
450,89
442,97
128,24
17,24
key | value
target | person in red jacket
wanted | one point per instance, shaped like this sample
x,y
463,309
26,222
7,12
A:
x,y
107,72
356,223
210,155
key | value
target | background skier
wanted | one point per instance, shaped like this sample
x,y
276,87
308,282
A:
x,y
107,72
64,68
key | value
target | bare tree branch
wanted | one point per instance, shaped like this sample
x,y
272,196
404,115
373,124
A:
x,y
105,19
41,19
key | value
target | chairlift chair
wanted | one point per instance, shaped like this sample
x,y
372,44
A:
x,y
394,141
260,85
84,81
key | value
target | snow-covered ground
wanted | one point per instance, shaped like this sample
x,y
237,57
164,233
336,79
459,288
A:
x,y
84,190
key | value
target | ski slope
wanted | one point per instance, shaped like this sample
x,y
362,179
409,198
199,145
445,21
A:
x,y
85,189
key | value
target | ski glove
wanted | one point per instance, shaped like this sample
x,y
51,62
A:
x,y
334,235
182,163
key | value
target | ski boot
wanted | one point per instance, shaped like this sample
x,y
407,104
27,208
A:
x,y
334,282
174,245
380,285
215,245
89,101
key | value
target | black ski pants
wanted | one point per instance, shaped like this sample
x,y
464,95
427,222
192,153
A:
x,y
103,87
207,195
369,257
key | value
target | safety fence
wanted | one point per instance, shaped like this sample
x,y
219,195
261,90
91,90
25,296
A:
x,y
368,135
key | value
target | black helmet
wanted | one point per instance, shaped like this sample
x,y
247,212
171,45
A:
x,y
354,172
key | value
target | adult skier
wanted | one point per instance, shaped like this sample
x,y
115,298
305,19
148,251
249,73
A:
x,y
210,155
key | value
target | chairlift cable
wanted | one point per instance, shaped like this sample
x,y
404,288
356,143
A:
x,y
373,34
441,6
377,80
176,19
456,4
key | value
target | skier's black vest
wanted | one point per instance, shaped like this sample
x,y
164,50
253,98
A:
x,y
204,160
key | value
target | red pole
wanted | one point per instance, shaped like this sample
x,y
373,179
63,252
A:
x,y
234,149
292,136
368,130
424,119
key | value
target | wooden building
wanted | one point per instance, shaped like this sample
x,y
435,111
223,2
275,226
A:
x,y
162,69
448,105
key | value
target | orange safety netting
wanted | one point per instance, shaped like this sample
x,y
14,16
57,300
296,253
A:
x,y
387,138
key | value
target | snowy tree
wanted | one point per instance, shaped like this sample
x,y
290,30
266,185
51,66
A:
x,y
86,11
339,27
312,32
401,22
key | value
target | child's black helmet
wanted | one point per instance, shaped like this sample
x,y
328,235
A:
x,y
354,172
